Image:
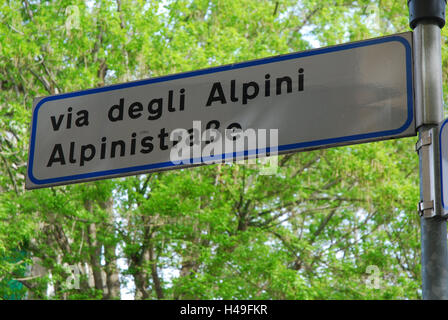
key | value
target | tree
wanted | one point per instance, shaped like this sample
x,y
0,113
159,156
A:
x,y
222,231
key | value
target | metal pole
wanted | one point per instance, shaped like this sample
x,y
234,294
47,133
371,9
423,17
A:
x,y
427,17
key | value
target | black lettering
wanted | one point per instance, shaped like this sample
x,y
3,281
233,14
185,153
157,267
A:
x,y
194,137
119,107
191,137
83,158
114,146
69,118
170,101
147,145
155,113
83,118
288,85
182,100
233,96
103,148
72,153
301,79
267,85
215,124
135,110
56,125
217,88
57,150
163,134
246,95
232,131
133,143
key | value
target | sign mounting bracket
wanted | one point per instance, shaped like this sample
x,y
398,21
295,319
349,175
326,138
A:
x,y
425,148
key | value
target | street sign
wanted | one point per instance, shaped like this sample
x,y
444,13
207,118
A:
x,y
351,93
443,148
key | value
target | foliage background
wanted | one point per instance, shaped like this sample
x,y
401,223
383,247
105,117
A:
x,y
221,231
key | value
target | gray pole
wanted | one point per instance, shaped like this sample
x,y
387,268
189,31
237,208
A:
x,y
427,17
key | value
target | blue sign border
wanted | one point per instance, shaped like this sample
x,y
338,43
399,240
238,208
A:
x,y
440,161
311,144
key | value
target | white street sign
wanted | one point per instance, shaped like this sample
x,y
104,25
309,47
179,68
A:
x,y
443,148
345,94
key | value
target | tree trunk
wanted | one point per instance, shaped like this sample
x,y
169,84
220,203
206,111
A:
x,y
154,274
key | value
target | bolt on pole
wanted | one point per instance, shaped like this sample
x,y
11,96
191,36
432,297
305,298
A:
x,y
426,18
